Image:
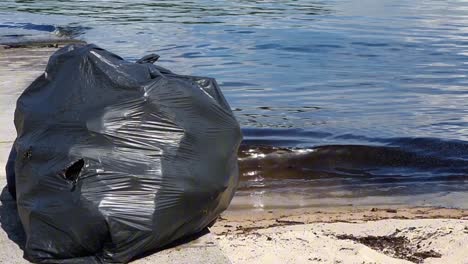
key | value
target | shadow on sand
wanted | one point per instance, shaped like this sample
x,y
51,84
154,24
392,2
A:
x,y
9,219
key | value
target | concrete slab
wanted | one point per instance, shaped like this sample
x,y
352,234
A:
x,y
18,68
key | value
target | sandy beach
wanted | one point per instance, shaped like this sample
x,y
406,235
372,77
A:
x,y
349,234
345,235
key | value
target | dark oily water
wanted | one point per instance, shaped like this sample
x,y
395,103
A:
x,y
341,102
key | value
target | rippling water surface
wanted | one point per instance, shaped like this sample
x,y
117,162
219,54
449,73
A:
x,y
338,100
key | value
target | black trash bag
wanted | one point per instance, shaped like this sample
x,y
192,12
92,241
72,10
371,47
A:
x,y
115,159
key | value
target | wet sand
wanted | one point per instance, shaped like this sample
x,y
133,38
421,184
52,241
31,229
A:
x,y
333,234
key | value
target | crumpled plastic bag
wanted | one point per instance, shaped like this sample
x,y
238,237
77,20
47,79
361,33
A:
x,y
115,159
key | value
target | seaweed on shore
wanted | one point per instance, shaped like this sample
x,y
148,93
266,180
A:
x,y
395,246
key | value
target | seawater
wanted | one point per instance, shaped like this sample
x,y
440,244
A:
x,y
341,102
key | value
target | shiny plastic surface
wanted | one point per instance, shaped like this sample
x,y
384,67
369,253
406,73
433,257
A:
x,y
115,159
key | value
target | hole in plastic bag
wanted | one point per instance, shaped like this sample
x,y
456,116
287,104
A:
x,y
72,172
28,154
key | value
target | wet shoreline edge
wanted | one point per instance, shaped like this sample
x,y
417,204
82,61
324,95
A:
x,y
46,43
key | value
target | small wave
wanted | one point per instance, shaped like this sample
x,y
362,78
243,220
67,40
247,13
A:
x,y
403,162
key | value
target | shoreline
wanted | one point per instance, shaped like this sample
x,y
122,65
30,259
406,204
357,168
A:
x,y
39,44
